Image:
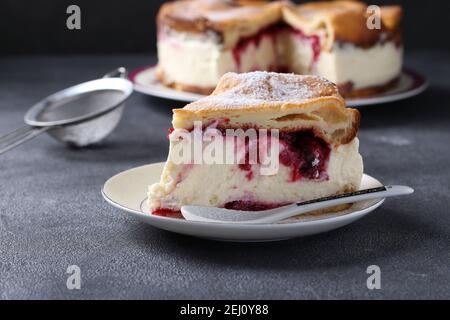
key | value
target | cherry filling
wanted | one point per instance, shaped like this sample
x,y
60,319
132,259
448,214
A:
x,y
248,168
306,154
169,132
314,41
167,213
270,32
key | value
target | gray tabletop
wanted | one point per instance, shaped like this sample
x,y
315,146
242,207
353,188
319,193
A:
x,y
52,214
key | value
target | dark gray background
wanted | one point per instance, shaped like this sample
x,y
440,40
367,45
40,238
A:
x,y
52,214
111,26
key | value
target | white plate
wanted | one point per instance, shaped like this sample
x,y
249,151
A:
x,y
127,191
410,84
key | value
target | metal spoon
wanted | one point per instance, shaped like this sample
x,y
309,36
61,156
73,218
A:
x,y
80,115
212,214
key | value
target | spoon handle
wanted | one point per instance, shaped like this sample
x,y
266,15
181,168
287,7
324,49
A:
x,y
19,136
321,203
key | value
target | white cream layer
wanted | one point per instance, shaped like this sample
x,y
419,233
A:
x,y
365,68
199,60
215,184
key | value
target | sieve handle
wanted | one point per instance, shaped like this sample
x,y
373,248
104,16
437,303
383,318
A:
x,y
19,136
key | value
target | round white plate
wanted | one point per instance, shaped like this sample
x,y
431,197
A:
x,y
410,84
127,191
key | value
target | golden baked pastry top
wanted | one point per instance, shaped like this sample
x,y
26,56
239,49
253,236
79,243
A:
x,y
341,20
275,100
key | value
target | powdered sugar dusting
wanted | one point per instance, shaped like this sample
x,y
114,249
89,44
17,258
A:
x,y
269,88
233,13
215,10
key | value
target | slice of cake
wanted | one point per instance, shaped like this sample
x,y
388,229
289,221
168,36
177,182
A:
x,y
333,39
200,40
299,123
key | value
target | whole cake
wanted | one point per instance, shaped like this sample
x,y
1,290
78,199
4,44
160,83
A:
x,y
315,148
200,40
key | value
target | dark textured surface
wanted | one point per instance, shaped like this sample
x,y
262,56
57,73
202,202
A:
x,y
52,214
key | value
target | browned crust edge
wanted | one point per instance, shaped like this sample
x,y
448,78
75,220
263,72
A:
x,y
345,89
159,74
348,24
355,126
352,31
197,23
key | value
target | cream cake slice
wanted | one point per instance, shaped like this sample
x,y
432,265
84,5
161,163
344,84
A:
x,y
200,40
312,143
